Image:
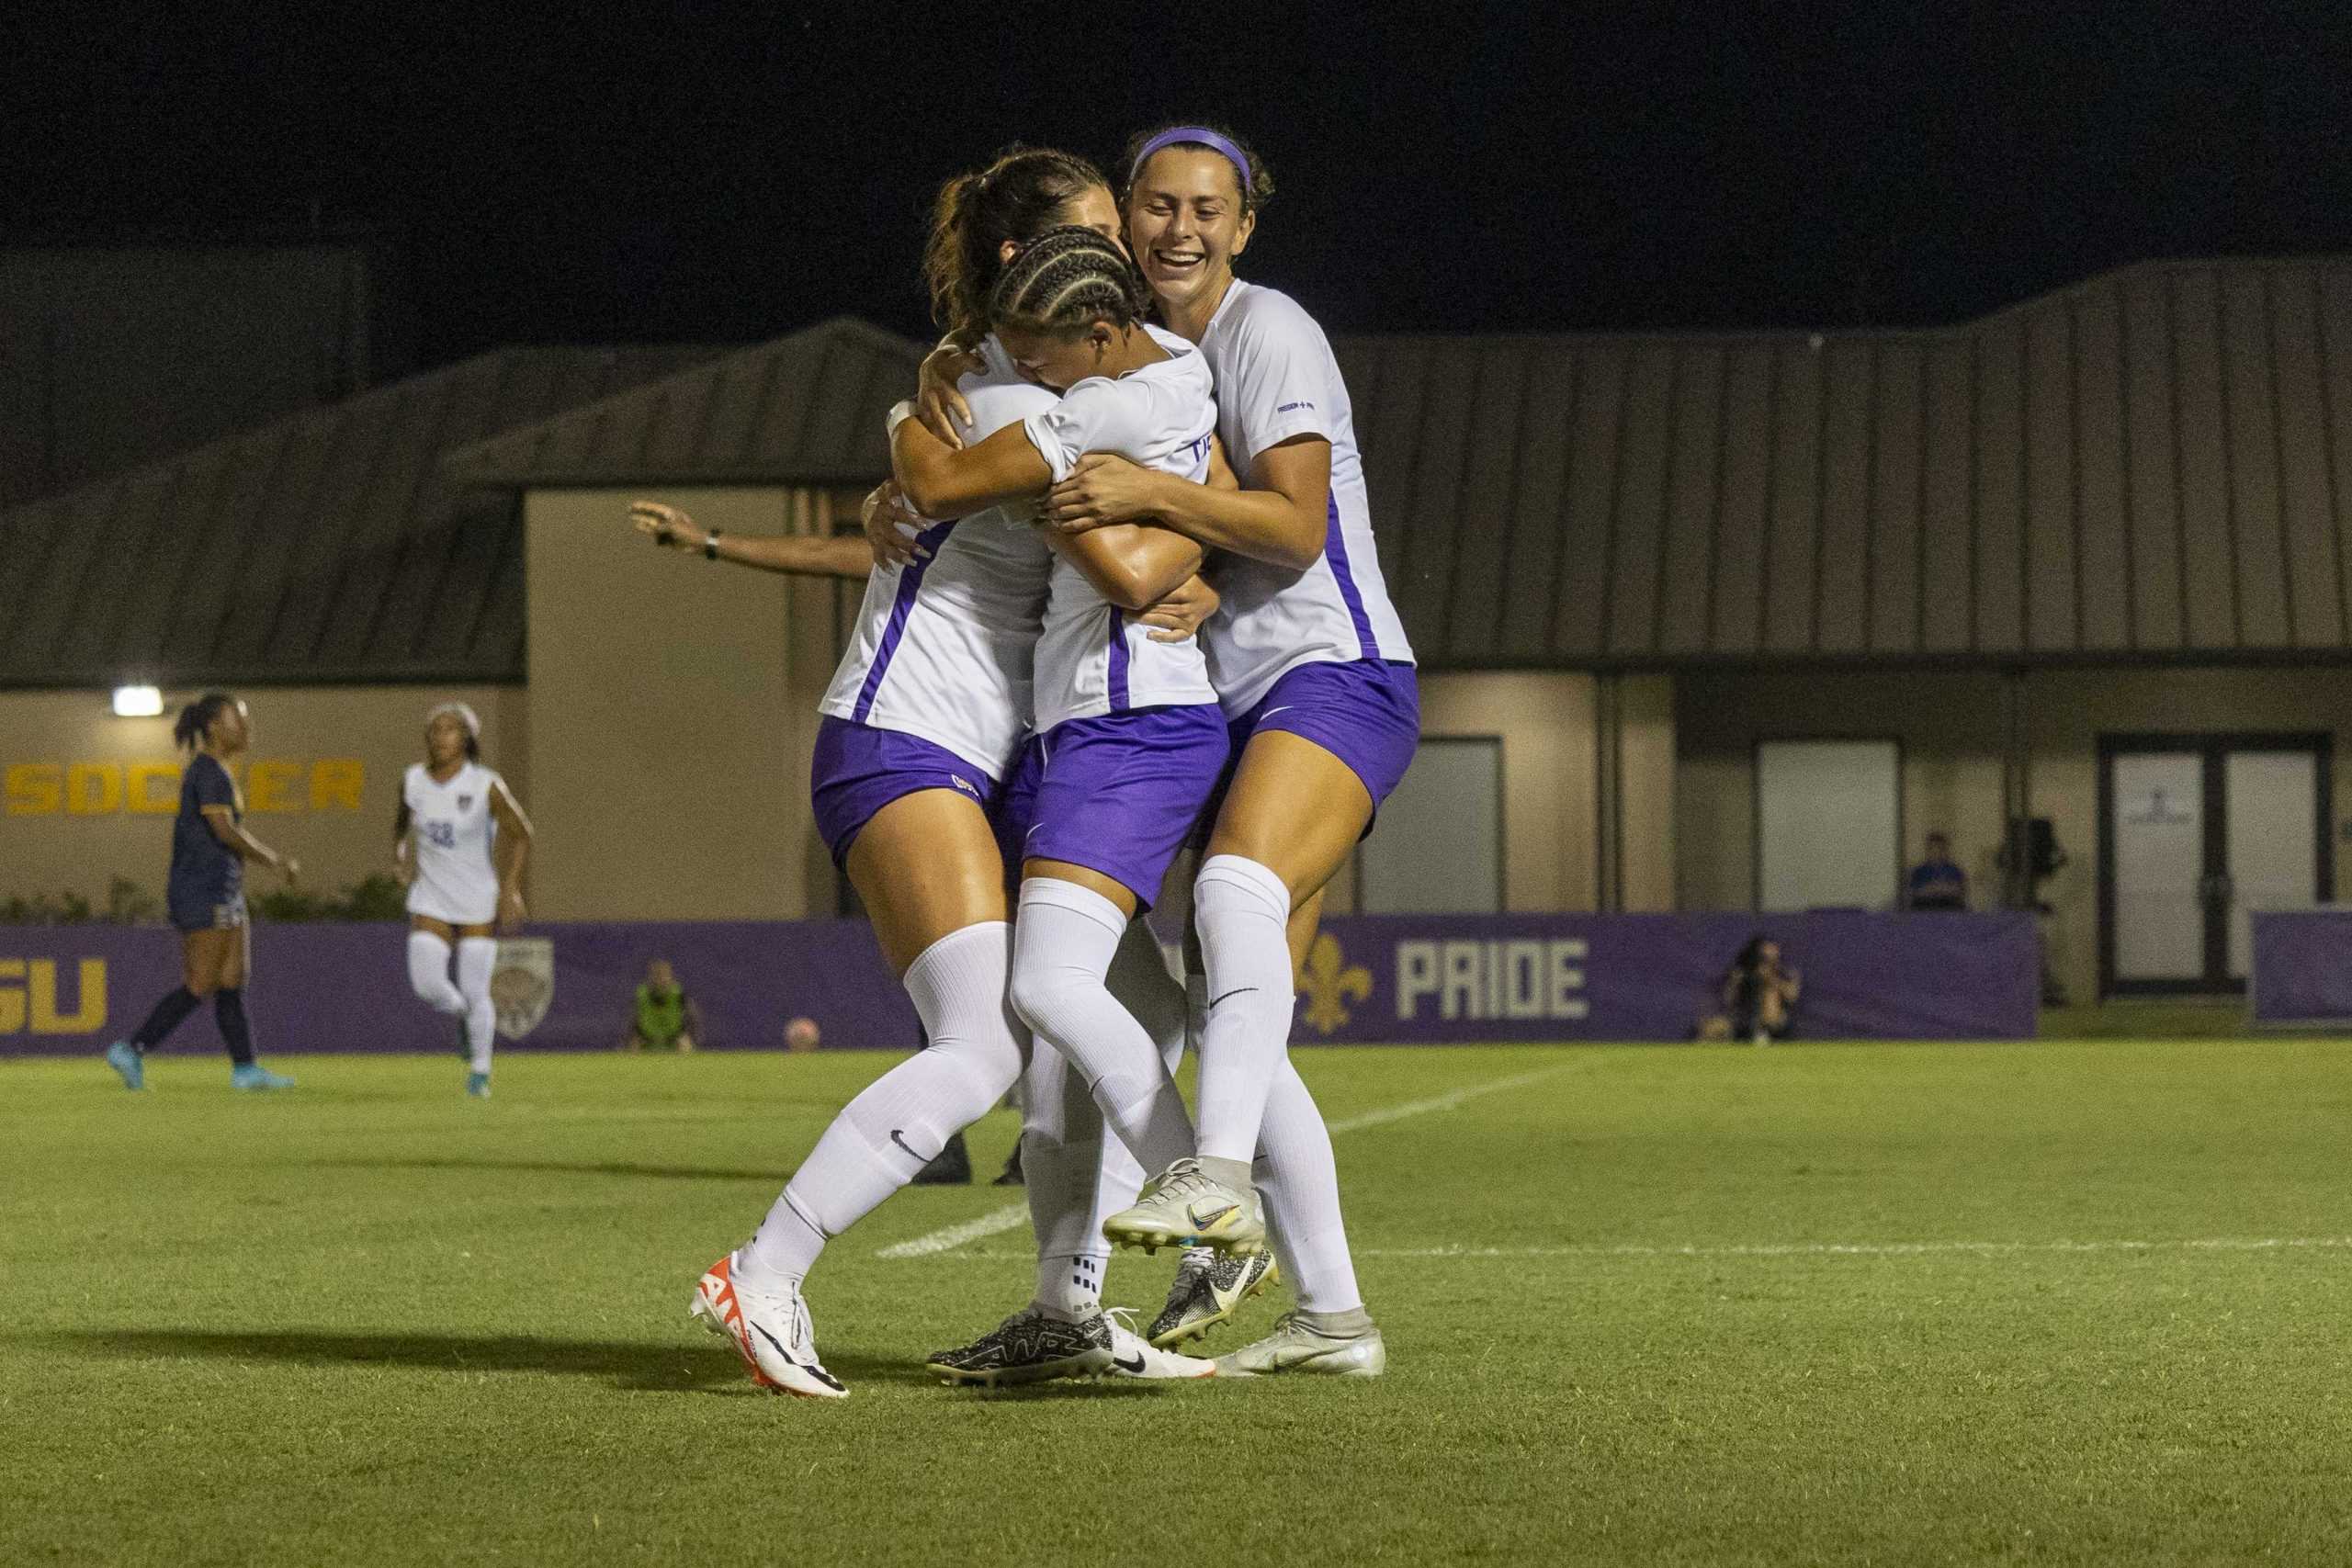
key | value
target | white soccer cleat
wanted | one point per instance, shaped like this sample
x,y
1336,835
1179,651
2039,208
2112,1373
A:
x,y
770,1329
1133,1356
1293,1346
1188,1207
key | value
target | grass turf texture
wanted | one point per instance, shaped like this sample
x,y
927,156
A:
x,y
370,1321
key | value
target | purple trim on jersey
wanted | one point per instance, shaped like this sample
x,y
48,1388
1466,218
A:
x,y
1118,660
1335,550
909,584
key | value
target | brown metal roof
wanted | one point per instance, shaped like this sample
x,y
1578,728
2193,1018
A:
x,y
2152,465
802,410
327,546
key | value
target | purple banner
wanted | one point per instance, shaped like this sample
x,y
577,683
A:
x,y
344,987
1369,980
2302,966
1438,978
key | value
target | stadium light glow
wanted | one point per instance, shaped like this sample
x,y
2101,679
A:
x,y
137,702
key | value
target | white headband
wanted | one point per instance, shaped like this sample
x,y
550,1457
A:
x,y
465,715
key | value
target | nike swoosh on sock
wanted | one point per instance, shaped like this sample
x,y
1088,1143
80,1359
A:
x,y
1237,990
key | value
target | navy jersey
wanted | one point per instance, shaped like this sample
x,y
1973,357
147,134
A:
x,y
205,870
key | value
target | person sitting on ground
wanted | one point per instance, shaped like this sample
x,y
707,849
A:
x,y
665,1017
1760,993
1936,883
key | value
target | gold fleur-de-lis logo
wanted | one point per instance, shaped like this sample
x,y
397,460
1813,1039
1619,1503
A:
x,y
1330,981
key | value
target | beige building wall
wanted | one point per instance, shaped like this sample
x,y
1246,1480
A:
x,y
1951,728
675,708
1549,777
86,797
1646,818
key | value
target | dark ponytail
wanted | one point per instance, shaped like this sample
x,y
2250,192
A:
x,y
187,731
1017,198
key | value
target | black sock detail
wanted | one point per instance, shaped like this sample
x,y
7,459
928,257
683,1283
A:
x,y
176,1005
229,1011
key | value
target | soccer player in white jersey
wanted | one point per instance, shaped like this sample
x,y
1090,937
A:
x,y
1315,671
922,727
457,823
1130,740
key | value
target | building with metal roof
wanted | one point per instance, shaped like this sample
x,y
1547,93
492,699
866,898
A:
x,y
327,546
1676,598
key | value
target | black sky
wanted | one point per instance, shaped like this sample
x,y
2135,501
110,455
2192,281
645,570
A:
x,y
637,172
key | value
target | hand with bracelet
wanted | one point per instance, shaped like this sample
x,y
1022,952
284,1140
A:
x,y
797,555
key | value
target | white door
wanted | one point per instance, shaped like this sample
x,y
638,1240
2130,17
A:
x,y
2160,866
1828,821
1438,847
2273,813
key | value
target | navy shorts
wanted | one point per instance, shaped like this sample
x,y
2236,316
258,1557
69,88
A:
x,y
857,770
206,910
1366,712
1120,793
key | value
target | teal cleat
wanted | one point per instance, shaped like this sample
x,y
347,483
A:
x,y
124,1059
478,1085
252,1074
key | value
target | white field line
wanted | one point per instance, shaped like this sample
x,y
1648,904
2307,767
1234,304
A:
x,y
949,1237
1856,1248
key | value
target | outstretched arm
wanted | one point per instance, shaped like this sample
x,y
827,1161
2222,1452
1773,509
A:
x,y
796,555
1281,518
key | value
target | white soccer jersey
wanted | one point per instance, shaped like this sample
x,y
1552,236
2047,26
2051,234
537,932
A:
x,y
457,880
1277,378
1091,658
943,648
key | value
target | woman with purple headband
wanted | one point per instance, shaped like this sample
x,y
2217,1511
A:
x,y
1315,676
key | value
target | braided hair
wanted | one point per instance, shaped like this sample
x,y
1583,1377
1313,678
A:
x,y
1067,279
196,718
1016,198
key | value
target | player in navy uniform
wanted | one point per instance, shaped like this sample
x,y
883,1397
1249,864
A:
x,y
206,896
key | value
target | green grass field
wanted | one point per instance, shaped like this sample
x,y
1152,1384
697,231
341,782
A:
x,y
2033,1304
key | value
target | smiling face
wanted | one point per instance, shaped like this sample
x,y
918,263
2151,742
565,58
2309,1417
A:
x,y
1185,224
445,739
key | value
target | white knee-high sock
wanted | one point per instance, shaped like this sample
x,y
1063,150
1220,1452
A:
x,y
1063,946
902,1121
1299,1181
1062,1144
477,955
428,974
1242,909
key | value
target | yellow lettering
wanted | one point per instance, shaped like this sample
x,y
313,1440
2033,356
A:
x,y
141,791
271,785
88,1017
93,789
12,998
35,789
336,781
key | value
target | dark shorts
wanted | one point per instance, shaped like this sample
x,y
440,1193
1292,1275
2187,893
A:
x,y
1119,794
206,910
857,770
1366,712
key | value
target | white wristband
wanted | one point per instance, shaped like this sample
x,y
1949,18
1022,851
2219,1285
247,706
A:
x,y
900,412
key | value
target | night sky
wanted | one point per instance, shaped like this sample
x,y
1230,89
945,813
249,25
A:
x,y
646,173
